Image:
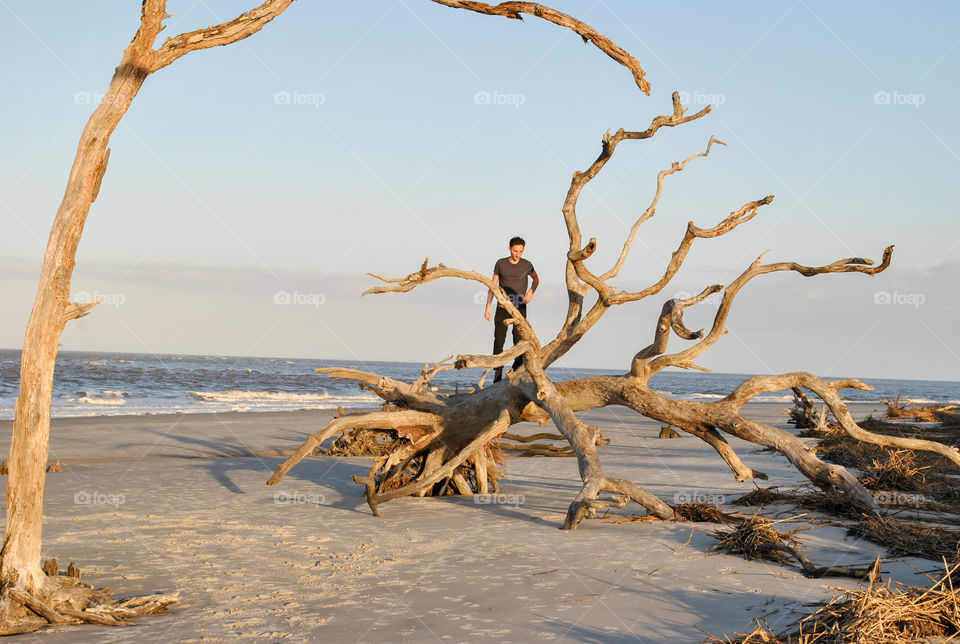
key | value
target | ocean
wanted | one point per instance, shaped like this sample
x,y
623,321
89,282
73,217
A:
x,y
109,384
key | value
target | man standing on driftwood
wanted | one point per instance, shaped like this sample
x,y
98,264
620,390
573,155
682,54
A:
x,y
511,274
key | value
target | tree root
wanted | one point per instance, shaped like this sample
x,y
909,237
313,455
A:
x,y
67,600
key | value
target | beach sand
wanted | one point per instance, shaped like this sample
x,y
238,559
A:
x,y
179,503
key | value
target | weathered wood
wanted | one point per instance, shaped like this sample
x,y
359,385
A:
x,y
462,426
20,570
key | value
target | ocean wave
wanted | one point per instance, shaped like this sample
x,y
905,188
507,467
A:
x,y
269,396
90,400
106,393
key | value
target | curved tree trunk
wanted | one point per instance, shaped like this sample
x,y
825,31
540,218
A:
x,y
24,582
20,563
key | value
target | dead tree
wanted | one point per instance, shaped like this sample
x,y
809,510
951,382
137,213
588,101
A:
x,y
442,444
30,599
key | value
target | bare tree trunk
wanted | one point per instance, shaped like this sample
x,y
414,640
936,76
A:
x,y
20,572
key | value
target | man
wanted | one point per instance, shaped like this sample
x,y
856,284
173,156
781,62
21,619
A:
x,y
511,274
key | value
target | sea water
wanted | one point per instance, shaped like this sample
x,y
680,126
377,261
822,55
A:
x,y
102,384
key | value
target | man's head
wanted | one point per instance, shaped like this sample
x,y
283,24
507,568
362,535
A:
x,y
516,248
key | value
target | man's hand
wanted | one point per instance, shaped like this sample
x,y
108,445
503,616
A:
x,y
486,312
528,296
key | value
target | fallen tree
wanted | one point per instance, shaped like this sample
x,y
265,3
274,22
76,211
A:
x,y
443,444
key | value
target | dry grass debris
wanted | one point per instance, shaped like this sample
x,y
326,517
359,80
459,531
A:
x,y
877,614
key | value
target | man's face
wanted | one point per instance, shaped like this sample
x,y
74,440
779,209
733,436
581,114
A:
x,y
516,252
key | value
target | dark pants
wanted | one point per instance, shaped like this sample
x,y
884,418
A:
x,y
500,336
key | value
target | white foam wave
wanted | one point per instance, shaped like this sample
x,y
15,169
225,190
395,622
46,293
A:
x,y
236,396
90,400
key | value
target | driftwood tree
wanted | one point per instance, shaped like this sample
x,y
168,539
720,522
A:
x,y
30,598
444,444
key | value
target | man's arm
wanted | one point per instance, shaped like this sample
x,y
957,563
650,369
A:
x,y
486,312
533,287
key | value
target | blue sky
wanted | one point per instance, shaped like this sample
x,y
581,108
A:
x,y
345,139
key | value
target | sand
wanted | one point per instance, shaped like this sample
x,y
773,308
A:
x,y
166,503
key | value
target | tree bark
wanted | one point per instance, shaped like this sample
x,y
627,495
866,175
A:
x,y
20,569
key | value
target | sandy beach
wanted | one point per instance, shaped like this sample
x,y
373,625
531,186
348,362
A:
x,y
179,503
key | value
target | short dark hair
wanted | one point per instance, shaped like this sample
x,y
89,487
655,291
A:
x,y
515,241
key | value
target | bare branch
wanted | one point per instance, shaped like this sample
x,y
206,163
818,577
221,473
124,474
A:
x,y
76,310
671,317
742,215
225,33
373,420
488,361
513,10
827,391
575,288
424,275
848,265
651,209
428,373
387,388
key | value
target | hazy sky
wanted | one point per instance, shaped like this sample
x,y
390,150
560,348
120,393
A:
x,y
251,187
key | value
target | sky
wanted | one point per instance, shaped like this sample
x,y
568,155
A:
x,y
252,187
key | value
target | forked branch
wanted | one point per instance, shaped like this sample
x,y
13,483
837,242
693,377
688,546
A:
x,y
718,330
225,33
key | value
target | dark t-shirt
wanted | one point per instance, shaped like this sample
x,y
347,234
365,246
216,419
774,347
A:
x,y
513,277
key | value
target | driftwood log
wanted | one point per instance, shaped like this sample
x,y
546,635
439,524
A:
x,y
445,441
